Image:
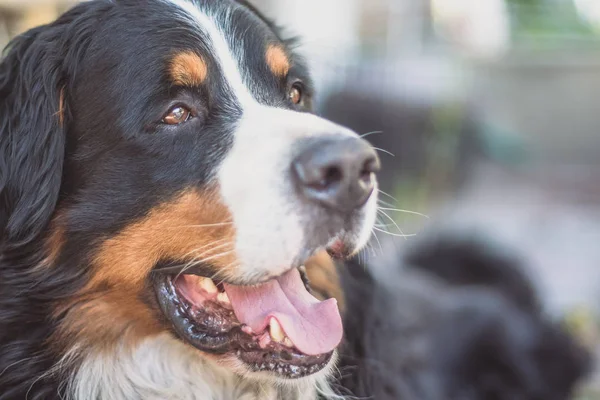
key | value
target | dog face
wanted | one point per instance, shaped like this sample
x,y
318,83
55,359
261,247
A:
x,y
165,155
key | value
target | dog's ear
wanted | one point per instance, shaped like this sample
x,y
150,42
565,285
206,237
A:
x,y
32,134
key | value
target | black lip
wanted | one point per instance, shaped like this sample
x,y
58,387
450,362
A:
x,y
178,313
216,331
294,366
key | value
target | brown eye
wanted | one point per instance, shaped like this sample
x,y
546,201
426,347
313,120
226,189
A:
x,y
296,96
177,115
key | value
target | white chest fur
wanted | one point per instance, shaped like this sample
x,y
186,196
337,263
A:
x,y
163,368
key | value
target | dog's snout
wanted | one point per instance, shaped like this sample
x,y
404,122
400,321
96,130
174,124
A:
x,y
338,173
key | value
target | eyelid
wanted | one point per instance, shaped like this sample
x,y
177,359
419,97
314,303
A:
x,y
307,91
176,104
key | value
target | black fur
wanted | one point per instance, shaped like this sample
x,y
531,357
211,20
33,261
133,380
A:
x,y
463,323
32,146
32,141
476,262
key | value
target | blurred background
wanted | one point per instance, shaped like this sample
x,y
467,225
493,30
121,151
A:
x,y
485,113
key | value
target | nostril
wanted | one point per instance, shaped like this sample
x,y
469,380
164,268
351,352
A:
x,y
331,175
370,167
366,176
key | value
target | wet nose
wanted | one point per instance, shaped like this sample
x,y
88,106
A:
x,y
338,173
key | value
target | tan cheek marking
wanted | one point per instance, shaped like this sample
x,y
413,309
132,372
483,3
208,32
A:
x,y
277,60
324,279
188,69
110,309
194,226
105,318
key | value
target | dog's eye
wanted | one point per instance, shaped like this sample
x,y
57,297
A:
x,y
177,115
296,94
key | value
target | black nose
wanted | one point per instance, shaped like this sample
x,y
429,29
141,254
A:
x,y
337,172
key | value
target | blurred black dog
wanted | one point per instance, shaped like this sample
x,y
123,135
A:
x,y
455,320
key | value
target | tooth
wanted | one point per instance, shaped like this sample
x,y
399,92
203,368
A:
x,y
287,342
264,340
223,298
275,330
246,329
207,285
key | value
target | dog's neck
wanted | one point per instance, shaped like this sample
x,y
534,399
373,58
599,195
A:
x,y
163,368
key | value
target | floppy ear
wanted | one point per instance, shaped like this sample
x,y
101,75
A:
x,y
32,135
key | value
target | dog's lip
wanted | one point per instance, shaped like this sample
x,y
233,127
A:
x,y
338,249
231,338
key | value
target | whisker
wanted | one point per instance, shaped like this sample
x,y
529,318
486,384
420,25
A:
x,y
210,225
392,220
223,270
378,242
200,257
369,247
404,211
385,203
202,225
364,135
395,234
220,243
204,260
196,258
388,195
215,276
383,225
385,151
217,244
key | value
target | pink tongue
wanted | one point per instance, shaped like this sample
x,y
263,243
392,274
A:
x,y
315,327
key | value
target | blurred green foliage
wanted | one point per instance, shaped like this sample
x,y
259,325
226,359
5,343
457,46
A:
x,y
538,22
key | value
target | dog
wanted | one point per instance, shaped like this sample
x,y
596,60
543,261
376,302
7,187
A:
x,y
454,318
162,183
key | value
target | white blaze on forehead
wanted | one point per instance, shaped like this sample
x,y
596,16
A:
x,y
216,25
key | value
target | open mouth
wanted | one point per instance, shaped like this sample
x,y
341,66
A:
x,y
276,326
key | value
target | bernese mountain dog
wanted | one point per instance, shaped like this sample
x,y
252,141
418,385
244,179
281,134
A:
x,y
162,184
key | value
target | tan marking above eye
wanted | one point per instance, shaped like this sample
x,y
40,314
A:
x,y
177,115
188,69
277,60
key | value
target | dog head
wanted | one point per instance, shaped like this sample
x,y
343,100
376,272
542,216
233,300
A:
x,y
160,166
